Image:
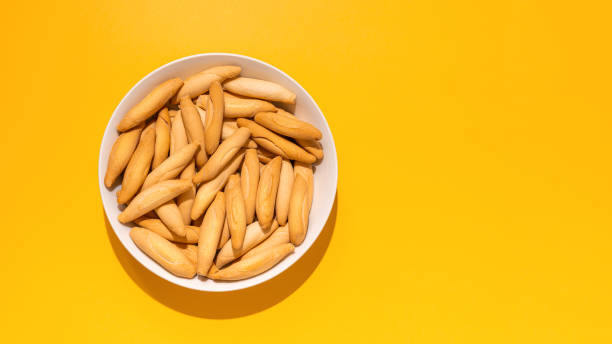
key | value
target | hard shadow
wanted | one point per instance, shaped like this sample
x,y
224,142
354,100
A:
x,y
231,304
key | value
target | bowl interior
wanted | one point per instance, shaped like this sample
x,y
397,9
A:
x,y
325,177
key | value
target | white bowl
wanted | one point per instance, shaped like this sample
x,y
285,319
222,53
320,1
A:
x,y
325,177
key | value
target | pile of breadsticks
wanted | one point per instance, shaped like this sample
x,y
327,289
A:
x,y
221,187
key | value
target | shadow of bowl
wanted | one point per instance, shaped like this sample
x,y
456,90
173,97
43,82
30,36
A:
x,y
233,304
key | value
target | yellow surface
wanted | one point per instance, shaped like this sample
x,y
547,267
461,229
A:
x,y
474,199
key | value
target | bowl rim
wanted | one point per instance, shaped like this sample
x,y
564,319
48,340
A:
x,y
230,286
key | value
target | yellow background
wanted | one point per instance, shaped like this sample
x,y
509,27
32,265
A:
x,y
474,197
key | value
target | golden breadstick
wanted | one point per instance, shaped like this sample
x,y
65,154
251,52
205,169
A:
x,y
226,151
138,167
190,251
192,233
214,117
225,234
152,103
288,126
185,200
312,147
172,166
163,252
121,153
238,106
199,83
253,265
235,210
207,191
249,176
162,137
178,135
279,237
254,235
266,192
152,198
210,232
265,156
274,143
284,192
193,128
261,89
170,215
301,202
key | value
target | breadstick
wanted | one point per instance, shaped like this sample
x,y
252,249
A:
x,y
214,117
170,215
254,265
288,126
190,251
178,135
235,210
185,200
210,232
192,233
199,83
249,178
152,198
312,147
152,103
238,106
225,235
300,202
274,143
193,128
279,237
265,156
254,235
163,252
261,89
138,167
266,192
172,166
226,151
162,137
284,192
207,191
121,153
